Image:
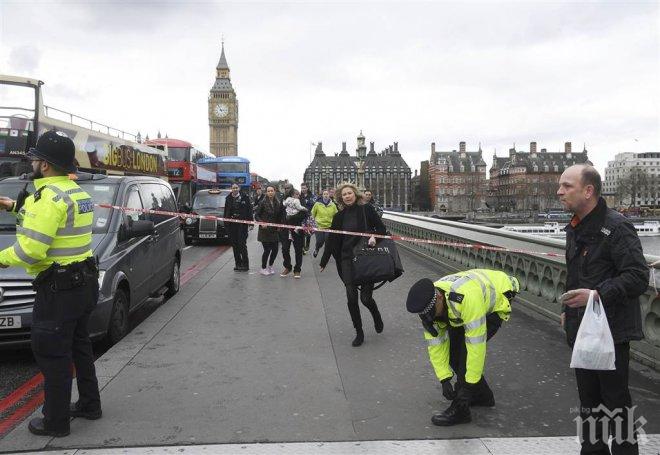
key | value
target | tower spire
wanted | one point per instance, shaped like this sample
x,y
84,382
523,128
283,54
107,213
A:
x,y
222,64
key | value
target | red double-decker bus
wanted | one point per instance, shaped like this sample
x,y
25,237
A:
x,y
184,174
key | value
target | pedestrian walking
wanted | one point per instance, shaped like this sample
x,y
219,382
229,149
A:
x,y
603,253
268,211
293,214
307,199
353,216
460,313
323,211
369,199
238,207
54,242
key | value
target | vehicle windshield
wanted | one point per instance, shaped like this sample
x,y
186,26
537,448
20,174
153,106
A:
x,y
179,153
17,107
101,193
209,200
228,167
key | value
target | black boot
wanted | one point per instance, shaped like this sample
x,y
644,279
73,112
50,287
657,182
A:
x,y
37,426
378,320
453,415
483,395
89,414
359,338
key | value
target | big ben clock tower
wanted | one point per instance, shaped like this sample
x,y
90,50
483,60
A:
x,y
223,112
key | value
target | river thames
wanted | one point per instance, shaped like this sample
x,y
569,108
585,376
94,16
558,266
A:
x,y
651,245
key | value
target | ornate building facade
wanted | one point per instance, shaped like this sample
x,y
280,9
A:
x,y
457,179
223,112
529,180
386,174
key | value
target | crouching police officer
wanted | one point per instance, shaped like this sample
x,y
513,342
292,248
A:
x,y
53,242
460,313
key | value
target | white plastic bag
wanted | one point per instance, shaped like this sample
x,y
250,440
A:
x,y
594,346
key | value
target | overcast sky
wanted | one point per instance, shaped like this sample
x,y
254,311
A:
x,y
491,72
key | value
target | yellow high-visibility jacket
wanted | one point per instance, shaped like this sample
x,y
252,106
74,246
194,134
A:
x,y
470,296
55,226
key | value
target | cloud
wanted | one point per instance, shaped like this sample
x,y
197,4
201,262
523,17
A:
x,y
25,59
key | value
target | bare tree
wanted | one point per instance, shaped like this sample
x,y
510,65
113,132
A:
x,y
634,185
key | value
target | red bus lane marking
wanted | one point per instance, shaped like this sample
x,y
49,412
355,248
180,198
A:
x,y
19,394
23,392
8,424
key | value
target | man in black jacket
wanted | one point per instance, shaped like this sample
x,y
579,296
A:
x,y
238,207
603,253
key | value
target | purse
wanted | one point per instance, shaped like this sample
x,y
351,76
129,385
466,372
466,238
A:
x,y
375,264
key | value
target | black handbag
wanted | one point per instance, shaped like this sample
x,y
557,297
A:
x,y
377,264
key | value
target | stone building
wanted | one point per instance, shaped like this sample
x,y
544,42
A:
x,y
386,174
457,179
633,179
223,112
529,180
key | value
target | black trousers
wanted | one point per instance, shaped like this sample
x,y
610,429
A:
x,y
297,248
457,349
609,389
320,240
365,295
238,234
269,254
60,336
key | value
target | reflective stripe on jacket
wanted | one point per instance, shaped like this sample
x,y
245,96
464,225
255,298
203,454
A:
x,y
55,226
470,296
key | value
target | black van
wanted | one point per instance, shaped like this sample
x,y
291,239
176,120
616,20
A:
x,y
139,255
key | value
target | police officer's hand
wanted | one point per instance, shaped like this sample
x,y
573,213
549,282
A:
x,y
447,390
6,203
578,298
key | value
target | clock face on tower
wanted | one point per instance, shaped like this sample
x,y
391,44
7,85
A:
x,y
221,110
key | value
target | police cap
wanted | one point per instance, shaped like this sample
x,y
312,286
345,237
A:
x,y
57,149
421,296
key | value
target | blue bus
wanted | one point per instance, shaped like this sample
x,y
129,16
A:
x,y
230,169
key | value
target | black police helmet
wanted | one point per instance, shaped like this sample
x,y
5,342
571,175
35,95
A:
x,y
420,296
57,149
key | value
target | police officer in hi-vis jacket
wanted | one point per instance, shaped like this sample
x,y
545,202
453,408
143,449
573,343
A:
x,y
460,313
53,242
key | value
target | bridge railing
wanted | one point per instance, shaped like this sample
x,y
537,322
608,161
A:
x,y
543,278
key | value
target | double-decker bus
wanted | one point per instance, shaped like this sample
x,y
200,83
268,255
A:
x,y
185,175
99,148
230,170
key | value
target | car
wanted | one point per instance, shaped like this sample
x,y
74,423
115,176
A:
x,y
206,202
139,255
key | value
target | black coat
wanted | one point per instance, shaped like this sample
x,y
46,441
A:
x,y
334,242
244,208
270,213
603,252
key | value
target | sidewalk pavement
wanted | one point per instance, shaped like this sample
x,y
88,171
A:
x,y
244,360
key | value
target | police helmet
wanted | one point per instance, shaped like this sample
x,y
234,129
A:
x,y
55,147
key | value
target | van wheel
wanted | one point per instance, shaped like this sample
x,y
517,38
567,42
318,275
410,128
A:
x,y
119,320
174,284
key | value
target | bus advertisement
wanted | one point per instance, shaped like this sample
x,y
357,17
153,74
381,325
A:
x,y
99,148
230,170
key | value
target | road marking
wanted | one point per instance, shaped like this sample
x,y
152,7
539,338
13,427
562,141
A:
x,y
26,389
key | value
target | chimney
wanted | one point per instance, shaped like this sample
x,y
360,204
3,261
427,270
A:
x,y
544,150
396,147
567,148
343,147
532,148
512,152
432,147
415,172
461,147
371,147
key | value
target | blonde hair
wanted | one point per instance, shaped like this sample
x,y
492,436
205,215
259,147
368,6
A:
x,y
339,201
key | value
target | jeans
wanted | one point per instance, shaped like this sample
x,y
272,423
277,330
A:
x,y
270,251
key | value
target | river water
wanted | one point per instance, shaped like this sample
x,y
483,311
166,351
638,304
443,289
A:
x,y
651,245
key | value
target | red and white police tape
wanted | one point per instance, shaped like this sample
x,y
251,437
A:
x,y
309,229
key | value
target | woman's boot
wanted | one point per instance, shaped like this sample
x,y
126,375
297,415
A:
x,y
359,338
